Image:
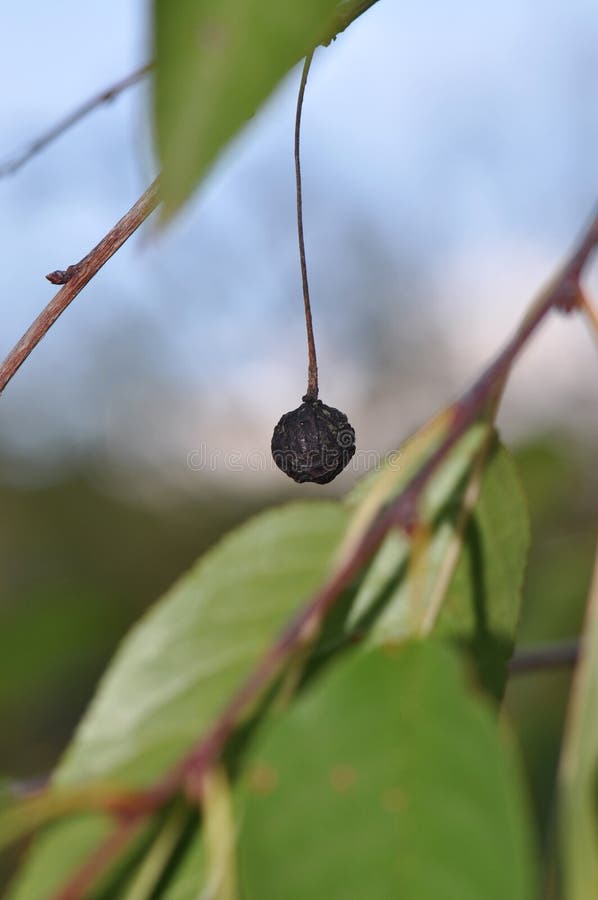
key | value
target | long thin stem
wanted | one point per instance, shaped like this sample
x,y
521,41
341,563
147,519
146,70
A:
x,y
312,370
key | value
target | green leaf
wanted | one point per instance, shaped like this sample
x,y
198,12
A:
x,y
406,604
578,783
181,662
56,854
482,605
346,13
155,861
188,881
217,61
463,575
386,779
379,486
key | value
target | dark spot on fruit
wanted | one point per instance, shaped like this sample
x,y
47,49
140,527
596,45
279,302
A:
x,y
313,442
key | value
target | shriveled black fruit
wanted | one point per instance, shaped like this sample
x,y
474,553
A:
x,y
313,442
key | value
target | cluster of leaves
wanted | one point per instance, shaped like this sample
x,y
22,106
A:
x,y
373,765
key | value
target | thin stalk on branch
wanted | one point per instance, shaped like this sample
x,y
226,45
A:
x,y
82,272
312,361
563,293
347,13
48,137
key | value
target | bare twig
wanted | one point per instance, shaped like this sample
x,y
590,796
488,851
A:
x,y
47,137
563,293
544,658
346,15
75,278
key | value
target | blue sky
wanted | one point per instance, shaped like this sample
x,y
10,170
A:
x,y
449,158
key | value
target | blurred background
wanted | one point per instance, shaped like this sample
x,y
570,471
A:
x,y
449,159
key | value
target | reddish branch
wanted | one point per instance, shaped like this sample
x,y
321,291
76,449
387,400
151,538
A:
x,y
75,278
99,861
401,512
564,294
41,142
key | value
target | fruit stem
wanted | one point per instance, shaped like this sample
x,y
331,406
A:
x,y
312,368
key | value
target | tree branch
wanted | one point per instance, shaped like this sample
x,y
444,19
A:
x,y
47,137
563,293
75,278
402,511
99,861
